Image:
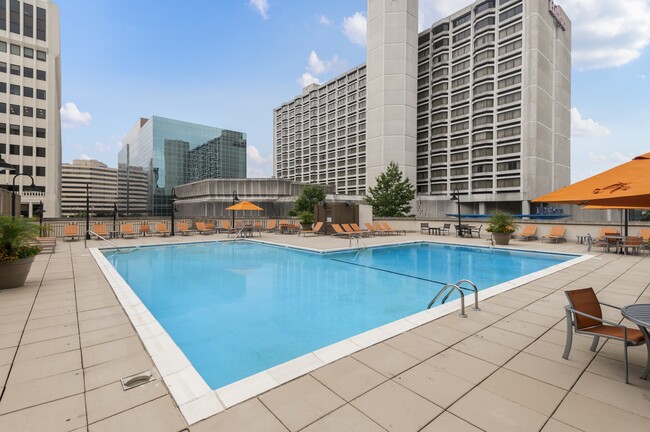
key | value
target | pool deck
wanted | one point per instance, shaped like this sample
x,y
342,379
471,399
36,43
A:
x,y
65,342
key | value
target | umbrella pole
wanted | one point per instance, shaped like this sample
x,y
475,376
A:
x,y
627,215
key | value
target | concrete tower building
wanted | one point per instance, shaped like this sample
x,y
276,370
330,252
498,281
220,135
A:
x,y
30,100
102,187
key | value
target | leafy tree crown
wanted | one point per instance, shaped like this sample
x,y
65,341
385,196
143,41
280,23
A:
x,y
310,196
393,193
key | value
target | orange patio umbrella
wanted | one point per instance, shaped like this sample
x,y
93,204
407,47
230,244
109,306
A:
x,y
244,205
624,186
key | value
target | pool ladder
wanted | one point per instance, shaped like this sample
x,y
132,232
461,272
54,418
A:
x,y
450,288
118,248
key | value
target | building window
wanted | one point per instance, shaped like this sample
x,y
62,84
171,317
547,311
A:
x,y
40,55
3,87
28,169
28,20
40,171
15,49
462,20
3,128
28,92
28,151
14,89
40,74
14,149
40,133
14,16
14,109
3,15
14,129
40,113
28,52
3,107
510,13
3,67
40,94
40,151
28,111
3,147
3,45
14,69
41,24
28,72
28,131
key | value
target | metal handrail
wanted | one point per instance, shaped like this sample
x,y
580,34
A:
x,y
474,288
119,250
443,290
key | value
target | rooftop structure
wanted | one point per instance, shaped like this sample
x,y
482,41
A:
x,y
88,177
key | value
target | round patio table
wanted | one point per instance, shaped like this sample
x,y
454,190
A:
x,y
639,314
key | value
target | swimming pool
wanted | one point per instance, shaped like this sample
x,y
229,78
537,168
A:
x,y
238,308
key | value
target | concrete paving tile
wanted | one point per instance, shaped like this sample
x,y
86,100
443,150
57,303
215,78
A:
x,y
27,370
526,391
97,304
112,371
301,402
439,333
249,416
578,358
396,408
52,332
614,350
504,337
551,372
160,415
485,350
618,394
58,416
10,339
495,308
580,342
31,393
482,316
461,324
449,422
47,348
587,414
107,334
556,426
15,309
103,322
7,355
4,374
50,312
415,345
12,316
345,419
96,354
102,312
613,369
348,378
112,399
462,365
491,412
12,327
385,359
435,385
40,323
535,318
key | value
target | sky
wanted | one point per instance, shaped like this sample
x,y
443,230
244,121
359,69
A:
x,y
229,63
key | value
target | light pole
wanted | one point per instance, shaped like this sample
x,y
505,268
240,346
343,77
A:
x,y
455,196
13,190
114,215
173,210
234,198
39,211
87,211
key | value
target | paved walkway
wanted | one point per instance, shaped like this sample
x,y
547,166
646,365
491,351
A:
x,y
65,342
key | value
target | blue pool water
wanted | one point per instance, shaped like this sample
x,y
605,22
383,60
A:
x,y
238,308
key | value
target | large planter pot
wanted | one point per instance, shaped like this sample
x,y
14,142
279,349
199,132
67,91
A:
x,y
15,273
501,238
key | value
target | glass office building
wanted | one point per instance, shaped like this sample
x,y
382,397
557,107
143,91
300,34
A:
x,y
171,153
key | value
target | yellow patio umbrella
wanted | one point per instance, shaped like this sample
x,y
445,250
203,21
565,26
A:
x,y
244,205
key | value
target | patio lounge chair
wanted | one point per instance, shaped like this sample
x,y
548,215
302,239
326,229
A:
x,y
357,228
161,229
183,228
389,228
556,234
348,228
227,227
373,230
100,230
315,230
584,316
338,232
607,232
528,233
272,226
144,229
202,228
381,229
126,230
71,231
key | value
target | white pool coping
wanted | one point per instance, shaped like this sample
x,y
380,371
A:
x,y
198,401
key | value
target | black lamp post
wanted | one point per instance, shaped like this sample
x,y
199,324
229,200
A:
x,y
87,211
173,209
455,196
13,191
114,216
39,211
234,198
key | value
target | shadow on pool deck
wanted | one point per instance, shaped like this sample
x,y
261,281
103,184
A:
x,y
65,342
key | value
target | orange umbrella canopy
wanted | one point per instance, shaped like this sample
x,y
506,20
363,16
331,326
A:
x,y
624,186
244,205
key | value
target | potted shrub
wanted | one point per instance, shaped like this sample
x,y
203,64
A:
x,y
502,225
16,251
306,219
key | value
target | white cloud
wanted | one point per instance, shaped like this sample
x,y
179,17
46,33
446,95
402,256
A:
x,y
355,27
306,79
585,126
71,117
84,156
608,34
258,165
315,64
324,20
261,6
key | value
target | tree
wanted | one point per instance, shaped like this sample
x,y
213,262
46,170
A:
x,y
392,195
310,196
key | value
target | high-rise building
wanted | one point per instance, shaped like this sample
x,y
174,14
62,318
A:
x,y
30,100
492,118
171,153
88,178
